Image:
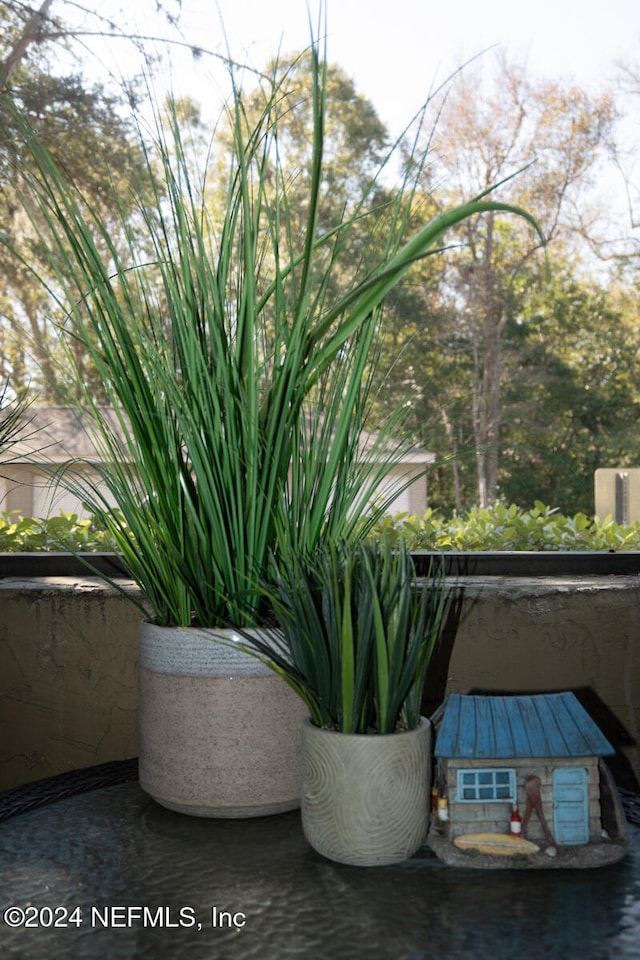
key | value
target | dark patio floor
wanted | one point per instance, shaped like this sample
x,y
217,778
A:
x,y
81,870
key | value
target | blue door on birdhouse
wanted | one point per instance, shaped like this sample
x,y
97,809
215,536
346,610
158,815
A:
x,y
571,806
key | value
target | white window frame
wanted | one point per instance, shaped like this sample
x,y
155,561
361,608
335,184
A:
x,y
485,786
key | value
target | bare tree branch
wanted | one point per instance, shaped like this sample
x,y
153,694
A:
x,y
29,35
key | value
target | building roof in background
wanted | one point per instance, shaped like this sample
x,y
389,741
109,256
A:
x,y
510,727
57,435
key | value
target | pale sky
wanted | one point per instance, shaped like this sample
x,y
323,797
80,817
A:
x,y
394,49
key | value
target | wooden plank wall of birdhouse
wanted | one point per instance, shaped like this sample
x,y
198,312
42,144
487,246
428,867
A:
x,y
494,817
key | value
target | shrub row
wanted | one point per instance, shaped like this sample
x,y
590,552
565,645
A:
x,y
503,527
64,533
499,527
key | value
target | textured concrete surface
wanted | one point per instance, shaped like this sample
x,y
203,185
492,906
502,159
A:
x,y
219,746
365,799
68,677
219,733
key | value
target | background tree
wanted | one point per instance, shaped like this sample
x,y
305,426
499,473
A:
x,y
34,32
574,401
89,130
356,142
355,145
485,134
476,345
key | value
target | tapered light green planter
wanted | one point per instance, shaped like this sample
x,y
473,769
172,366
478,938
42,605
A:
x,y
219,734
365,798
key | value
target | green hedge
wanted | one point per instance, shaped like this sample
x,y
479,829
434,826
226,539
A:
x,y
499,527
503,527
63,533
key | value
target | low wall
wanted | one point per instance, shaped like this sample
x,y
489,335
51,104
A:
x,y
68,676
68,662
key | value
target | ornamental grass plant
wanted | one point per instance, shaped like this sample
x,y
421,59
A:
x,y
13,422
233,377
356,631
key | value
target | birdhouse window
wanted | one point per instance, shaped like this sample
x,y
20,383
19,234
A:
x,y
486,785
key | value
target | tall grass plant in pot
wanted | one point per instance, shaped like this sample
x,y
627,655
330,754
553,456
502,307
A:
x,y
357,633
232,374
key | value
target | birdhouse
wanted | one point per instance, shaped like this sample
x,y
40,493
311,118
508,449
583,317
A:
x,y
530,765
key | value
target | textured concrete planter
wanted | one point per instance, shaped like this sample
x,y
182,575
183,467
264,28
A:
x,y
365,798
219,733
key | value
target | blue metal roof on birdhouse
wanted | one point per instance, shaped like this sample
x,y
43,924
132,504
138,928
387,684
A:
x,y
544,725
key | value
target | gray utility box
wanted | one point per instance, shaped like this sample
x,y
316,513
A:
x,y
617,493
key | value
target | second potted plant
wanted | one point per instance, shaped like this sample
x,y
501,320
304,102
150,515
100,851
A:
x,y
356,636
